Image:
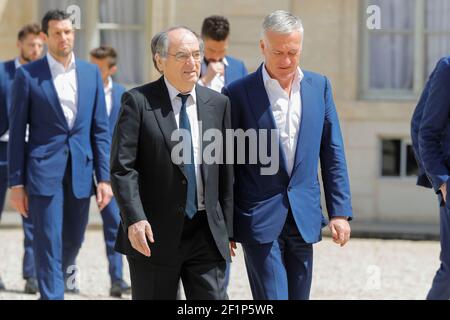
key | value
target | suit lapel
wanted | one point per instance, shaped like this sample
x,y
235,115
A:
x,y
262,110
82,90
205,113
307,120
115,106
162,108
50,92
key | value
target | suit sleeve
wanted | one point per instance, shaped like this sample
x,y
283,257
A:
x,y
20,103
3,106
333,164
100,135
416,119
124,176
433,127
226,177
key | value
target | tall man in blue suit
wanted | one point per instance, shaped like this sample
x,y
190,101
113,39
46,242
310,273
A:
x,y
218,69
105,57
30,47
62,100
432,147
278,217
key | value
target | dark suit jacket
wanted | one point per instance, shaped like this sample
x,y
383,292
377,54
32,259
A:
x,y
416,122
7,72
149,186
434,138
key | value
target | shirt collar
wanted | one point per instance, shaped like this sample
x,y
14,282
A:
x,y
267,79
17,63
173,92
54,64
225,61
109,86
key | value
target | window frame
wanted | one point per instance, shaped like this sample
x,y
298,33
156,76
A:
x,y
93,28
419,78
404,142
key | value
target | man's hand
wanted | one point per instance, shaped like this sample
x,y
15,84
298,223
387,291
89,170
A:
x,y
233,247
19,200
104,195
340,230
444,191
138,234
214,68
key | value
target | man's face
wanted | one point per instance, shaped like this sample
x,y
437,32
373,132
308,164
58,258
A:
x,y
61,37
182,65
282,54
215,51
30,47
105,68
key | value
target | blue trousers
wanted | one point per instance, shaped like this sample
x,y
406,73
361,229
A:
x,y
440,289
111,222
59,225
3,187
281,270
28,269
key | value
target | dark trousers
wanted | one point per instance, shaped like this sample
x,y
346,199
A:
x,y
200,267
280,270
440,289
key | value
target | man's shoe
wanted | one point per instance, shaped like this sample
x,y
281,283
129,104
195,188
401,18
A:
x,y
31,286
118,288
2,285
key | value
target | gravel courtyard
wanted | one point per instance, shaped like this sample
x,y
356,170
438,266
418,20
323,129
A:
x,y
364,269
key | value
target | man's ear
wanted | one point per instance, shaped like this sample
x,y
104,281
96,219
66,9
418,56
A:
x,y
159,62
113,70
262,46
43,36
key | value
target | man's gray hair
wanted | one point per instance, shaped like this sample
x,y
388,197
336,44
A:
x,y
281,21
160,43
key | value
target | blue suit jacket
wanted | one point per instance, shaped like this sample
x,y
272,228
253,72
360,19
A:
x,y
40,165
117,92
235,70
262,201
434,132
7,72
422,179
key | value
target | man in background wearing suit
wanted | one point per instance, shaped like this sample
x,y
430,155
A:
x,y
30,47
62,100
218,69
105,57
430,133
278,217
176,215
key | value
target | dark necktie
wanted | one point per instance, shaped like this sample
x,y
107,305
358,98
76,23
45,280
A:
x,y
189,168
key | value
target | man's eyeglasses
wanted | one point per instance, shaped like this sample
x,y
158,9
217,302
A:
x,y
184,56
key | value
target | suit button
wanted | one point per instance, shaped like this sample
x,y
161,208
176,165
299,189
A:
x,y
181,209
184,182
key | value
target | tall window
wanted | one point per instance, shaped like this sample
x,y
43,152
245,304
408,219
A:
x,y
399,57
121,24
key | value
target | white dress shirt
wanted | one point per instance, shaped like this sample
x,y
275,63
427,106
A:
x,y
108,96
287,112
218,82
191,109
66,86
5,137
